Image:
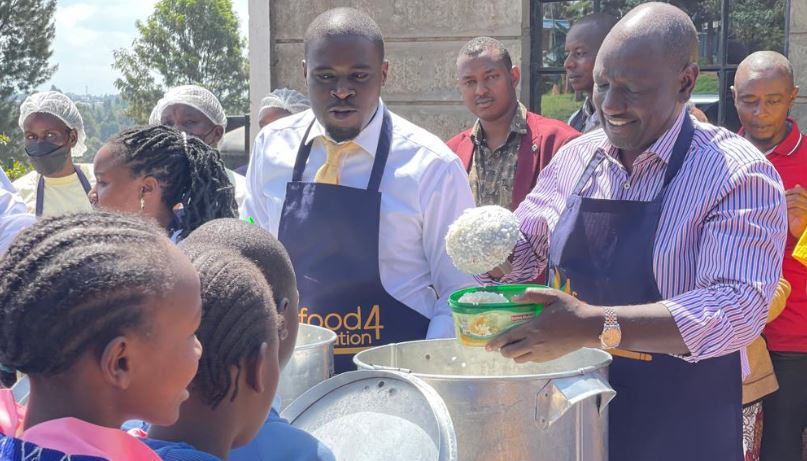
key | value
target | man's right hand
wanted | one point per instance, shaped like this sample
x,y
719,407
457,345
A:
x,y
796,210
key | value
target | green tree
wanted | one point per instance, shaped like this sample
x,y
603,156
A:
x,y
26,34
184,42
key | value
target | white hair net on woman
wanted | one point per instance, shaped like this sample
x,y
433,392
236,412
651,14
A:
x,y
61,107
292,101
194,96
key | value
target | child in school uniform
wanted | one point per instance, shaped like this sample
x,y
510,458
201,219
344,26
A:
x,y
239,370
277,439
93,307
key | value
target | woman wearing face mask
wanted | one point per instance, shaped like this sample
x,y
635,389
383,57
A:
x,y
54,133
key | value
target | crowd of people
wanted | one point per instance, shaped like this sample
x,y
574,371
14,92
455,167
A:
x,y
159,291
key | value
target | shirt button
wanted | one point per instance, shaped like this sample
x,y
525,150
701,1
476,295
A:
x,y
626,185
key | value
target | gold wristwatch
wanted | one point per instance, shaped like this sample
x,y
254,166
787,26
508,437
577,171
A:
x,y
611,332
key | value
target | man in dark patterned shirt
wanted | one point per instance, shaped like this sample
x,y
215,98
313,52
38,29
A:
x,y
508,145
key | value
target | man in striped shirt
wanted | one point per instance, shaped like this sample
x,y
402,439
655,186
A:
x,y
665,237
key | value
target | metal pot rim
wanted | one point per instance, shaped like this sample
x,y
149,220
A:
x,y
603,362
317,344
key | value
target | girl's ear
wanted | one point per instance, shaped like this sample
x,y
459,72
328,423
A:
x,y
255,366
115,362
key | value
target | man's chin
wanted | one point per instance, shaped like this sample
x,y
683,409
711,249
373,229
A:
x,y
341,134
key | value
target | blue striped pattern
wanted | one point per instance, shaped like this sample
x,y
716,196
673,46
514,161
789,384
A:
x,y
719,246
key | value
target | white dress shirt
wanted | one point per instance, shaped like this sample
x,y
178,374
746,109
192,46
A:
x,y
14,215
424,189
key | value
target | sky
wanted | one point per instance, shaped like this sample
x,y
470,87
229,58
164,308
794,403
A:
x,y
87,31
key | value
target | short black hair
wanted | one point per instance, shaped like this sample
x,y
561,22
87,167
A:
x,y
602,23
255,244
238,315
190,172
73,282
344,22
478,45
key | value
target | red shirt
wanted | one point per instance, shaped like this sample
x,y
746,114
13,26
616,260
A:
x,y
788,332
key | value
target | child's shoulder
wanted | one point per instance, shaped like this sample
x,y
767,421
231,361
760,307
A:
x,y
178,451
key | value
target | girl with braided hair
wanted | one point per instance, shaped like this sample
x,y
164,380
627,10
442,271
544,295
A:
x,y
239,370
165,174
93,307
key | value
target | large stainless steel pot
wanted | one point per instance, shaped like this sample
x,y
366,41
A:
x,y
311,363
552,411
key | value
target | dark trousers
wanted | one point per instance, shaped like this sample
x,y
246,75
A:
x,y
785,411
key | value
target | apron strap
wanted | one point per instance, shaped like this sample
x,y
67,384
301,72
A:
x,y
680,150
302,154
679,153
595,161
40,189
381,154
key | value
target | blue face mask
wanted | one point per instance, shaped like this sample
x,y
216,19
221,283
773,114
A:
x,y
46,157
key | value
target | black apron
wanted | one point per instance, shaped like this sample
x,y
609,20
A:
x,y
331,234
665,409
40,189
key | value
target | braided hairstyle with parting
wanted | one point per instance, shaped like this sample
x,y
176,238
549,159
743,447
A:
x,y
189,171
71,283
238,315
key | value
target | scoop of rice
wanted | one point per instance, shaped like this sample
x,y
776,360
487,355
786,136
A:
x,y
482,238
483,297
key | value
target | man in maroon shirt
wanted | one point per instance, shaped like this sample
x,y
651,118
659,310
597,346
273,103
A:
x,y
508,145
764,91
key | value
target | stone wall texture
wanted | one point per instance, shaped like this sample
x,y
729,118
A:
x,y
422,39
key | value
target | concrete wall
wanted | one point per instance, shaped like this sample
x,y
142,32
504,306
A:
x,y
797,52
422,39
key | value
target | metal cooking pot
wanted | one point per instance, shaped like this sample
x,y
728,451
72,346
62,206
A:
x,y
501,410
310,364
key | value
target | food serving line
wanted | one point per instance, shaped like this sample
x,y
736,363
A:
x,y
449,399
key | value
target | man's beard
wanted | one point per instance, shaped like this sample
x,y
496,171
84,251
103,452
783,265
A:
x,y
342,134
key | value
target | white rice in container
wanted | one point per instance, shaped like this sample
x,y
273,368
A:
x,y
482,238
483,297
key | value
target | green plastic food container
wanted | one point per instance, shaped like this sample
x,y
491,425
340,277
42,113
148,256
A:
x,y
476,324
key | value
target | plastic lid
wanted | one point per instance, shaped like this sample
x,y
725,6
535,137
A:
x,y
372,415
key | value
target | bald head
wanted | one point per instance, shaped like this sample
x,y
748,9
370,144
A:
x,y
764,92
344,23
661,27
765,64
644,73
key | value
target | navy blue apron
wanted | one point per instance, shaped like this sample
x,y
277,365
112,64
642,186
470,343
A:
x,y
331,234
666,409
40,189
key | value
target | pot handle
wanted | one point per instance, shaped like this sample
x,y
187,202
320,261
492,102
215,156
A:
x,y
561,394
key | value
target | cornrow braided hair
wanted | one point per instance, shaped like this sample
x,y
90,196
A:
x,y
74,282
190,172
238,315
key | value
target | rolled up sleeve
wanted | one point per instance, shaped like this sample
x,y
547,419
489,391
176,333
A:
x,y
738,268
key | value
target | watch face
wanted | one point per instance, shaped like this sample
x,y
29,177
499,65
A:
x,y
611,337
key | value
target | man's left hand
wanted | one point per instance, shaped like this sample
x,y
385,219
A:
x,y
796,210
565,325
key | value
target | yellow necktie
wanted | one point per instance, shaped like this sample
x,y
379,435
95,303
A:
x,y
329,172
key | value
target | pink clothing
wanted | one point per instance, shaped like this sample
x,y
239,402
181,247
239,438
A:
x,y
72,436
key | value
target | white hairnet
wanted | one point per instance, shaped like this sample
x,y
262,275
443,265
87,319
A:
x,y
191,95
291,101
61,107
